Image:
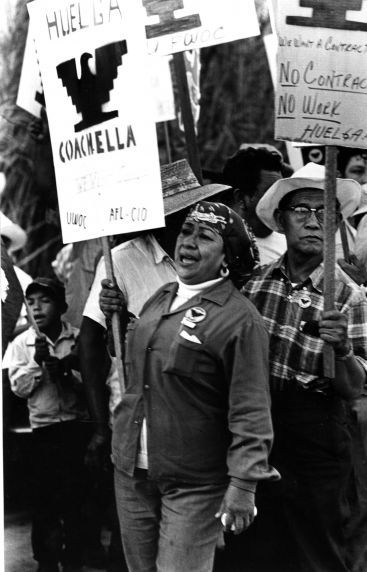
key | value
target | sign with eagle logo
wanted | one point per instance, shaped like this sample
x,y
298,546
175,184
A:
x,y
93,62
178,25
30,91
321,72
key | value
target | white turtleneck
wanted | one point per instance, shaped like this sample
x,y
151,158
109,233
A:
x,y
187,291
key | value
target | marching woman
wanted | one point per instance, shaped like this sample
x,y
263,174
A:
x,y
192,434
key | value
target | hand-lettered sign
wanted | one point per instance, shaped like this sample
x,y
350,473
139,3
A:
x,y
321,95
92,57
30,91
178,25
31,97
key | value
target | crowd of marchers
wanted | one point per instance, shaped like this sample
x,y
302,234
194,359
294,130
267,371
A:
x,y
225,447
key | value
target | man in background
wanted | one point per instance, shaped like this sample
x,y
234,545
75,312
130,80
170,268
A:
x,y
250,172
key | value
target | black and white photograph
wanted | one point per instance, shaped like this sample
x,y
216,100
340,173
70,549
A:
x,y
183,222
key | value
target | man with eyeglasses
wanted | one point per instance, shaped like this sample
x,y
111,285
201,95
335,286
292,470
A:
x,y
304,515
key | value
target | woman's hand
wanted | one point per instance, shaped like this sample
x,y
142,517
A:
x,y
111,299
237,510
333,328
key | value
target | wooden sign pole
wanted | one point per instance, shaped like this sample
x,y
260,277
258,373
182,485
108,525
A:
x,y
187,118
116,327
32,321
329,250
345,245
167,141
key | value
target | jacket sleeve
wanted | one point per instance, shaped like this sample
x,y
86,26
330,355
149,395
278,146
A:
x,y
249,416
24,373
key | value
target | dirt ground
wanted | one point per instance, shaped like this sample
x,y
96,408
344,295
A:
x,y
17,538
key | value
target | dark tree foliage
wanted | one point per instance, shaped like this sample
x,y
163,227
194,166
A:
x,y
29,197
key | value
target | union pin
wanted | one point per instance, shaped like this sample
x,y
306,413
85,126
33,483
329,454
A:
x,y
195,315
304,301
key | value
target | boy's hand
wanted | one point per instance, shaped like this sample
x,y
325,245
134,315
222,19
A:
x,y
54,368
42,351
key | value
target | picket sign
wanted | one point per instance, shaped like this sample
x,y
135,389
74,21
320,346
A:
x,y
321,97
105,153
187,116
197,24
11,298
30,91
174,26
94,66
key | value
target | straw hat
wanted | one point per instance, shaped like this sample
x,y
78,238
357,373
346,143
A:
x,y
13,232
310,176
181,189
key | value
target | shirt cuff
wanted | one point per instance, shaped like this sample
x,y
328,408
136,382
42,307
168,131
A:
x,y
244,485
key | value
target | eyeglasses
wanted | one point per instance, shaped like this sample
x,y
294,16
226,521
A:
x,y
301,214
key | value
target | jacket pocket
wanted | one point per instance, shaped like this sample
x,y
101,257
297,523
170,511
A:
x,y
187,359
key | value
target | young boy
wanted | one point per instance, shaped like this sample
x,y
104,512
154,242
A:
x,y
42,370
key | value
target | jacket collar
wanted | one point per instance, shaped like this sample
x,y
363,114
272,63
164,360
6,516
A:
x,y
67,332
316,277
218,294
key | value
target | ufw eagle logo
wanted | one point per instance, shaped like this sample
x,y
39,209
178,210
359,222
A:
x,y
329,14
91,91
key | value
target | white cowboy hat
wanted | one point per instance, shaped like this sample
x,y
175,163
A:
x,y
362,209
13,232
310,176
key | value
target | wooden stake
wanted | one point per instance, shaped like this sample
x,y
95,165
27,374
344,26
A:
x,y
32,321
329,250
167,141
187,118
345,245
116,329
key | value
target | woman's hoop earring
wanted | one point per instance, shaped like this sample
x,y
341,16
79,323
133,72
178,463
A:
x,y
224,271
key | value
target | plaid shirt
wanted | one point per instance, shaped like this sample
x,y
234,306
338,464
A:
x,y
295,347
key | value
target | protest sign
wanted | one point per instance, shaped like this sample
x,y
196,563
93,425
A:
x,y
321,71
162,89
92,56
30,91
177,25
11,298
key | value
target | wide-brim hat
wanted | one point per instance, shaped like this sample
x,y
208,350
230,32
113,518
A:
x,y
310,176
181,189
13,232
